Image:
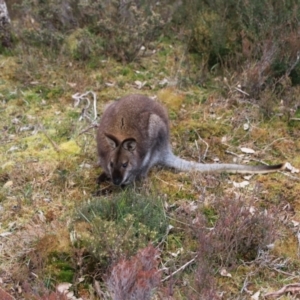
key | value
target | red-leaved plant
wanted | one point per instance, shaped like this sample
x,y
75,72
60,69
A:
x,y
135,278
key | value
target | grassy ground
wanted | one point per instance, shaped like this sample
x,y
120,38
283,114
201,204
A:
x,y
48,173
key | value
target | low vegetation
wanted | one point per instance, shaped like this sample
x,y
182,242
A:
x,y
229,82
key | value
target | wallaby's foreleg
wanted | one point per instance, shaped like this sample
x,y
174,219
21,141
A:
x,y
102,178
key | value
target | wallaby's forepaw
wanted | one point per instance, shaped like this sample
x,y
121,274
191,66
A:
x,y
102,178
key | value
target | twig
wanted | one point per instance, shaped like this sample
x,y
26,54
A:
x,y
83,97
180,186
289,288
244,287
207,146
98,289
289,70
275,141
289,175
293,65
259,161
298,238
56,148
241,91
180,269
87,129
164,237
180,222
295,119
232,153
95,105
282,272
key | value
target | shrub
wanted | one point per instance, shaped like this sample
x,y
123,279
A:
x,y
239,232
136,278
44,23
120,225
259,39
124,26
121,27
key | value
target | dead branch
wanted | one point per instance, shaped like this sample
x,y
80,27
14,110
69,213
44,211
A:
x,y
87,129
54,145
84,98
289,288
180,269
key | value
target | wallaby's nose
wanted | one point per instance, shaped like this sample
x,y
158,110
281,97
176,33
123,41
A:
x,y
117,181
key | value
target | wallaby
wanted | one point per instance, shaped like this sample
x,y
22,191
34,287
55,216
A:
x,y
133,136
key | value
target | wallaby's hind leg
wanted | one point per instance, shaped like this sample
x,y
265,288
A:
x,y
142,176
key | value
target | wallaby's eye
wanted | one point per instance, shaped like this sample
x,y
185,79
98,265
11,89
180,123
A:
x,y
111,164
125,165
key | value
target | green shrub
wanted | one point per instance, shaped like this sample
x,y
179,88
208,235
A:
x,y
258,39
82,45
120,28
120,225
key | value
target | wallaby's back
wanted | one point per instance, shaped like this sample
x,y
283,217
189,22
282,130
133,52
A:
x,y
130,115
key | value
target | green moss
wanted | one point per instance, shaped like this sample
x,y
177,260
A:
x,y
196,116
126,71
7,165
172,115
174,242
39,147
203,129
210,214
60,267
164,52
295,123
31,97
53,93
65,276
186,192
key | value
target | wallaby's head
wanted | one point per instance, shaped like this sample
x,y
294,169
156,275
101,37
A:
x,y
122,161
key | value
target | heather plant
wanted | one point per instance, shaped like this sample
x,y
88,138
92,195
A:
x,y
232,232
135,278
120,225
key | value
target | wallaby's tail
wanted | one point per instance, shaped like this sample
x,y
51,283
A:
x,y
176,162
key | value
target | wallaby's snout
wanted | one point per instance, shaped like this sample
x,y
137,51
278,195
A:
x,y
119,173
117,178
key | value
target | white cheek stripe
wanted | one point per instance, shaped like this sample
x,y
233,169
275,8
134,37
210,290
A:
x,y
125,177
146,160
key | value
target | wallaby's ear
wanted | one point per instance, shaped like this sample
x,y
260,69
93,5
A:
x,y
111,141
129,145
